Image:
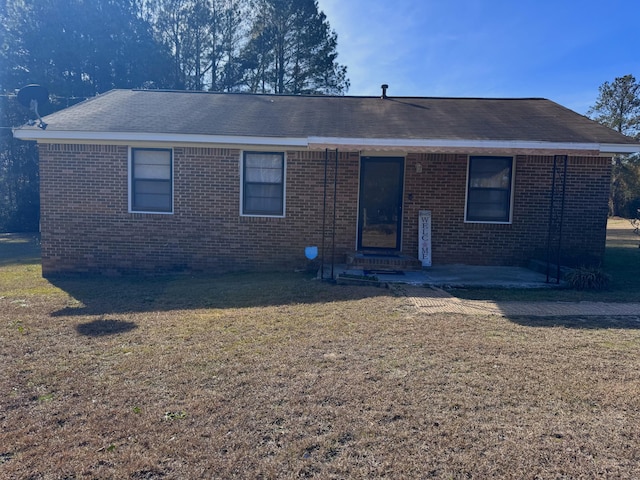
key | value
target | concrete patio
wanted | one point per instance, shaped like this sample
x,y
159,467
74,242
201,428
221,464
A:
x,y
457,276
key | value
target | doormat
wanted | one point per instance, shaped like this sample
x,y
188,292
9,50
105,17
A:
x,y
383,272
379,255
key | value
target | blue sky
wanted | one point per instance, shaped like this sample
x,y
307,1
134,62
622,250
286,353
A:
x,y
557,49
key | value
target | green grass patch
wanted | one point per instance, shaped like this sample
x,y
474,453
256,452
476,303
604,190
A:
x,y
20,270
19,248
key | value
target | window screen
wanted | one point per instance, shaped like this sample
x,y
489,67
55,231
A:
x,y
263,188
489,189
151,180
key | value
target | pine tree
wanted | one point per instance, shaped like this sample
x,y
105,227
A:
x,y
79,48
618,107
292,50
76,49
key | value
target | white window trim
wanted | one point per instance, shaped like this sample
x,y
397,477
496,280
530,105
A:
x,y
512,188
284,184
130,181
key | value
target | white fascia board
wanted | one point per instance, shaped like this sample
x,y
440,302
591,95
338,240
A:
x,y
619,148
447,143
315,142
406,144
173,138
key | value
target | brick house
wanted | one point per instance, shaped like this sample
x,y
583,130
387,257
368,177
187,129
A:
x,y
147,180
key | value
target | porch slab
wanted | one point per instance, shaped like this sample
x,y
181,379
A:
x,y
461,276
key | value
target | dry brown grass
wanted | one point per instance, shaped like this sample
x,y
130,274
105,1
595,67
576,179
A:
x,y
281,376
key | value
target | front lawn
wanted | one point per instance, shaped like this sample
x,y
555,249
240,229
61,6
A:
x,y
282,376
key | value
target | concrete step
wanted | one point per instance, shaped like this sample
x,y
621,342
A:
x,y
382,262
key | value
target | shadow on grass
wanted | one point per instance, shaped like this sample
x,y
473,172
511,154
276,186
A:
x,y
579,322
620,237
99,295
19,248
101,328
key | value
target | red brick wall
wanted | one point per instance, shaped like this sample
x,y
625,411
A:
x,y
441,188
86,225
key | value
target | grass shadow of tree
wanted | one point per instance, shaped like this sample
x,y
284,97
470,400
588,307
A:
x,y
104,327
580,322
99,295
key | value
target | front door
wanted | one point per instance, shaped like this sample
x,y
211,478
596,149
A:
x,y
380,211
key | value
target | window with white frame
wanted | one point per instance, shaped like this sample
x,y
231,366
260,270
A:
x,y
151,180
489,189
263,184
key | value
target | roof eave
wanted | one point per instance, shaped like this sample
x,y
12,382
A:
x,y
320,143
54,136
472,146
619,148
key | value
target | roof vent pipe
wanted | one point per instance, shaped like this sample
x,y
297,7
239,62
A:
x,y
384,90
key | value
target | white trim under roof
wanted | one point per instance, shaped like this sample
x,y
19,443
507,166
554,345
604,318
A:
x,y
70,137
395,143
618,148
318,143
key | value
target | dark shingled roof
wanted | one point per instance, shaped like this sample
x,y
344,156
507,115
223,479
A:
x,y
286,116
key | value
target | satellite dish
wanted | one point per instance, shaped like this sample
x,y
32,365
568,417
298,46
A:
x,y
33,92
32,95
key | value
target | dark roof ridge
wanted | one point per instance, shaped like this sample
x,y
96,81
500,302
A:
x,y
317,95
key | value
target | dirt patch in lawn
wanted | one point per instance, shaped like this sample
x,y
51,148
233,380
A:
x,y
286,377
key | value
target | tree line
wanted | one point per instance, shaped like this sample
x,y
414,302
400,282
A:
x,y
618,107
80,48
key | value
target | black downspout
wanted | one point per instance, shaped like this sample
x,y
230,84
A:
x,y
553,191
324,212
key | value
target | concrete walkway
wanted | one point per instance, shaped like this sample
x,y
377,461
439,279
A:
x,y
436,300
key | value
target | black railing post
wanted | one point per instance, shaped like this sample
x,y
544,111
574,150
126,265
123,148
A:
x,y
564,191
335,198
551,206
324,213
